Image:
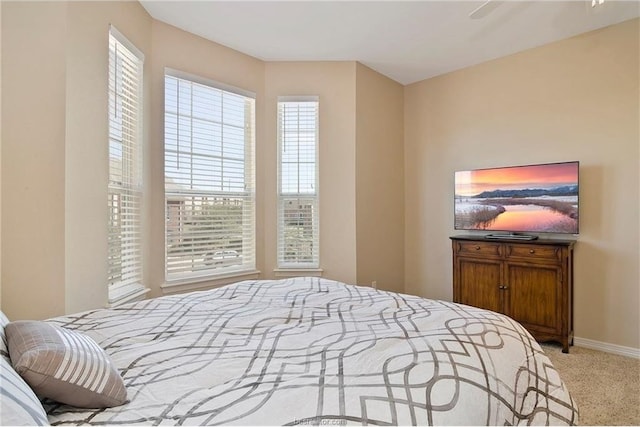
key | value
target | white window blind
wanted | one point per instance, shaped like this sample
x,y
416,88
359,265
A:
x,y
125,167
209,179
298,232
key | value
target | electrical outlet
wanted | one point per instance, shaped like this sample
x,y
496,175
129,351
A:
x,y
374,284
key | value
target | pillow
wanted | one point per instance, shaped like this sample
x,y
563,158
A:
x,y
4,350
64,365
18,405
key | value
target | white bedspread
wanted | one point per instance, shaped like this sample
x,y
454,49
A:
x,y
314,351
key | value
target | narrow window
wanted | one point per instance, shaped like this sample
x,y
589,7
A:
x,y
125,167
209,178
298,233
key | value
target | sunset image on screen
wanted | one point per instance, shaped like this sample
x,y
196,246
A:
x,y
542,198
471,183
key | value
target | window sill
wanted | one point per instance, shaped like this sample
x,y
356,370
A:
x,y
204,283
125,294
297,272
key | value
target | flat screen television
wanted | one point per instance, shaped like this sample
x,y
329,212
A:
x,y
516,200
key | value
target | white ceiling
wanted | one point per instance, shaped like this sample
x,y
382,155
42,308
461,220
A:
x,y
407,41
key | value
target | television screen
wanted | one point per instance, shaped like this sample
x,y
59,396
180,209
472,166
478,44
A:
x,y
518,199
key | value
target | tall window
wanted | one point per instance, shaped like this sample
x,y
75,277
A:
x,y
209,178
298,234
125,167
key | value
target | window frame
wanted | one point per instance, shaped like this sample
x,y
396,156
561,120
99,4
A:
x,y
311,268
131,186
249,235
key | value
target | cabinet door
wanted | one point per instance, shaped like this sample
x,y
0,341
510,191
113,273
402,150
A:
x,y
478,283
533,296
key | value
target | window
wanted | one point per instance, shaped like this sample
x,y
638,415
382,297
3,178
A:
x,y
125,167
298,234
209,178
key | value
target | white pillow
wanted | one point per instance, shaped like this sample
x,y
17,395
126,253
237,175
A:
x,y
19,406
4,350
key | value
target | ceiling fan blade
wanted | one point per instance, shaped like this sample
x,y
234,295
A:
x,y
484,9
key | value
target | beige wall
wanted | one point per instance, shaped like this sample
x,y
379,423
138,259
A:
x,y
33,156
572,100
577,99
335,85
54,222
62,159
379,180
86,163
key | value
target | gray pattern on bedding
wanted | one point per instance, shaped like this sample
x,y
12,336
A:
x,y
315,351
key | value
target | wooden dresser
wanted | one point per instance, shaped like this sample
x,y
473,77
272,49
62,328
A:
x,y
529,281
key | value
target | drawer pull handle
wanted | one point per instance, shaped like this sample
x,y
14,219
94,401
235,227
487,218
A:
x,y
477,248
531,251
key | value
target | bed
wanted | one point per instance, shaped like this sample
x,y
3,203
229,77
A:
x,y
316,351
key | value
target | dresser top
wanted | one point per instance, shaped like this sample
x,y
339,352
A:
x,y
539,241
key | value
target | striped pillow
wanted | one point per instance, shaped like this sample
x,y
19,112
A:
x,y
18,405
64,365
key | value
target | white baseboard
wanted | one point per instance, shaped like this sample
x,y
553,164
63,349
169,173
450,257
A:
x,y
607,348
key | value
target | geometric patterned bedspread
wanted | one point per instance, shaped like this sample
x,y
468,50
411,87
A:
x,y
318,352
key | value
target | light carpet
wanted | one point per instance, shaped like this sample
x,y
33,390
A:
x,y
606,387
